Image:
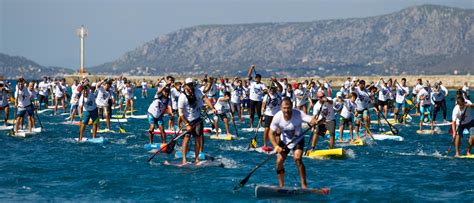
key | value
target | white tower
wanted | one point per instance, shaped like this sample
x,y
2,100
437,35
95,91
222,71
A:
x,y
82,33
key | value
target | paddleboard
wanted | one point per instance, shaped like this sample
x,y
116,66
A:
x,y
44,110
390,120
131,116
248,130
223,137
104,131
387,137
438,123
114,120
262,191
358,142
6,127
190,155
52,107
71,123
203,163
338,152
154,146
98,140
465,157
26,132
266,150
425,132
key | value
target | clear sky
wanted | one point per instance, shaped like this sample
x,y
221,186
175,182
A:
x,y
45,30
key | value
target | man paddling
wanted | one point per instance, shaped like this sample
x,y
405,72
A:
x,y
256,89
190,103
104,94
88,110
324,111
4,106
271,106
155,113
24,105
462,118
289,122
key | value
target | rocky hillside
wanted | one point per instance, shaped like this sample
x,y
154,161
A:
x,y
426,39
13,67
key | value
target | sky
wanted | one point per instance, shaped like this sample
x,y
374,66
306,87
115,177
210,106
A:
x,y
45,30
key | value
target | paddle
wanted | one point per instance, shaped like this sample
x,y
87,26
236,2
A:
x,y
392,128
246,179
312,134
171,142
454,133
121,129
233,121
253,142
12,131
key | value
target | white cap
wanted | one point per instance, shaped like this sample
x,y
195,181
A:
x,y
188,80
339,94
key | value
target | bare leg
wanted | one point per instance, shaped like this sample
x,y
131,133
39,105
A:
x,y
301,168
280,168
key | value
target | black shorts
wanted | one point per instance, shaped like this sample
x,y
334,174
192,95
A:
x,y
198,128
268,121
221,116
299,145
327,126
43,99
235,107
383,103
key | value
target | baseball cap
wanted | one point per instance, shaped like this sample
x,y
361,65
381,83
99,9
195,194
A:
x,y
188,80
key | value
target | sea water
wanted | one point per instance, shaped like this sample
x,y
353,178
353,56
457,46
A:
x,y
52,166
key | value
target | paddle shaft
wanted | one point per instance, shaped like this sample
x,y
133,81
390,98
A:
x,y
392,128
176,137
246,179
312,134
255,133
233,120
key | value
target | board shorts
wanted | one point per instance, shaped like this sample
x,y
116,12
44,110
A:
x,y
121,100
299,145
94,115
401,105
327,126
467,126
222,116
61,97
235,107
155,121
268,121
423,109
383,103
43,99
74,106
4,106
245,103
105,110
27,109
362,114
198,128
345,121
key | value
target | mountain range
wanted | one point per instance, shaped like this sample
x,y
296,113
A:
x,y
13,67
427,39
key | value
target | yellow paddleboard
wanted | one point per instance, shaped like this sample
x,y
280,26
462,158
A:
x,y
466,157
358,142
223,137
425,132
338,152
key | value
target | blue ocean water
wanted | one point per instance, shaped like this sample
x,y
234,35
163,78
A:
x,y
51,166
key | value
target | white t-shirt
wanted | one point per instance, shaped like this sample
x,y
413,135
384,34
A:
x,y
221,106
24,97
299,93
417,88
174,94
427,100
348,108
3,98
156,108
272,104
401,91
457,113
60,90
191,112
363,99
256,91
75,95
437,96
103,97
237,92
88,104
43,88
290,129
384,93
127,92
327,112
144,85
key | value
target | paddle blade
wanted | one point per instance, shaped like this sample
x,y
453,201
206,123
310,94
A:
x,y
253,143
242,182
122,130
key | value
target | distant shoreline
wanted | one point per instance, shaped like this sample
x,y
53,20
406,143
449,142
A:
x,y
450,81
